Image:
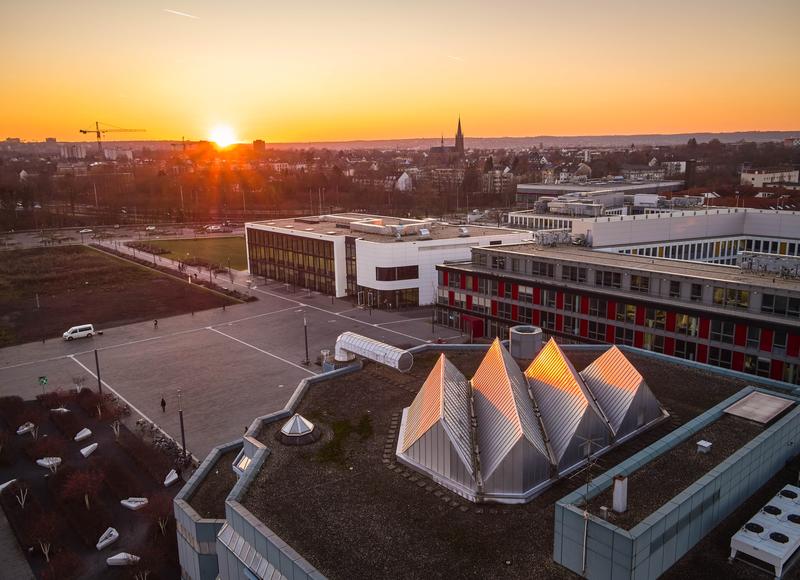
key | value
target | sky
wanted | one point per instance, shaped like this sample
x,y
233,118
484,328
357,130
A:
x,y
388,69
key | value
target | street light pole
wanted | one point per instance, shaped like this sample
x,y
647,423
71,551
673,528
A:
x,y
183,433
305,335
97,369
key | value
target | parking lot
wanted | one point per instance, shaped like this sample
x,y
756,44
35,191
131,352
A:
x,y
231,365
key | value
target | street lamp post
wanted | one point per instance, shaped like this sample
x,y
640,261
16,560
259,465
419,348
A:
x,y
305,335
97,369
183,433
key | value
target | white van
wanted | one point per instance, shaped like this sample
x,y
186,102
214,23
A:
x,y
82,331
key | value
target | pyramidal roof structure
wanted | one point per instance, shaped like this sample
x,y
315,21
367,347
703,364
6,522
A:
x,y
297,426
620,390
562,397
504,409
444,399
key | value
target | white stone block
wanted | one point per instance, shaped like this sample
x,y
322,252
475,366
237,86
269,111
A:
x,y
6,484
48,462
83,434
109,537
171,478
25,428
88,450
122,559
134,503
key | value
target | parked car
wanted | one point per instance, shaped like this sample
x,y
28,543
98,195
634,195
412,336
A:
x,y
85,231
82,331
150,229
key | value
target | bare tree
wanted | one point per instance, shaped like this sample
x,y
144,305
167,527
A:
x,y
84,484
43,530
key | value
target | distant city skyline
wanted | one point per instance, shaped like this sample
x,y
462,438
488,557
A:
x,y
364,71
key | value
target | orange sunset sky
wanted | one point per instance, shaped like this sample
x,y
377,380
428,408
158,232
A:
x,y
357,69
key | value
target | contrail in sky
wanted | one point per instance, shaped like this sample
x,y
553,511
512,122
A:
x,y
181,14
458,58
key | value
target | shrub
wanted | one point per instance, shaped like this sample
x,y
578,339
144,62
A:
x,y
159,510
86,484
68,423
43,529
50,446
91,401
20,517
118,477
148,458
63,566
10,408
54,399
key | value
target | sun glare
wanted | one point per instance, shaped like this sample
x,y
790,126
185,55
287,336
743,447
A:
x,y
223,135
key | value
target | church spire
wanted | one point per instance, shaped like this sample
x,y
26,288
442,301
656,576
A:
x,y
459,148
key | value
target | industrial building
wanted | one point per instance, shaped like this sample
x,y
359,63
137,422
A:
x,y
379,261
720,315
529,193
505,436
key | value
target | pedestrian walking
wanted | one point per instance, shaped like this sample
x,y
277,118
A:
x,y
155,324
163,405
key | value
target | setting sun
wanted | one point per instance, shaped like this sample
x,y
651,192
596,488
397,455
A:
x,y
223,135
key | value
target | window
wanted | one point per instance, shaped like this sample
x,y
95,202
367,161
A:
x,y
548,320
756,365
731,297
720,357
655,318
597,307
504,310
525,314
654,342
549,298
526,294
572,303
483,286
626,312
685,324
479,259
697,293
640,283
410,273
499,262
722,331
454,281
573,273
507,290
493,287
779,342
608,279
623,336
753,336
685,349
674,289
545,269
597,330
571,325
781,305
515,264
481,304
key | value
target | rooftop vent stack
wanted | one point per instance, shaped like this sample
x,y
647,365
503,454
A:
x,y
704,446
526,341
620,494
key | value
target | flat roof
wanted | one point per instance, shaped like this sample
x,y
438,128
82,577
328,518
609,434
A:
x,y
346,506
437,230
702,270
604,186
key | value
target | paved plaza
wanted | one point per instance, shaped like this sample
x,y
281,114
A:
x,y
231,365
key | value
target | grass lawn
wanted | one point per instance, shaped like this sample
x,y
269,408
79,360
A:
x,y
78,285
214,250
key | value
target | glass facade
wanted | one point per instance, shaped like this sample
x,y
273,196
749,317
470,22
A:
x,y
303,262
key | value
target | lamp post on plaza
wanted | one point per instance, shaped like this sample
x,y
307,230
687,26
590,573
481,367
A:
x,y
305,336
183,433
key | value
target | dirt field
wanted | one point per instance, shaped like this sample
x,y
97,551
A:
x,y
213,250
78,285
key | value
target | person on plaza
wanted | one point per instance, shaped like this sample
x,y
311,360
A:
x,y
155,324
163,405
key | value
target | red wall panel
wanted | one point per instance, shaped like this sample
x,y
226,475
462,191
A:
x,y
740,335
640,315
611,310
585,304
559,322
514,312
776,370
515,291
702,353
793,345
705,327
451,298
610,333
584,328
463,282
766,340
501,288
670,322
469,301
560,300
537,317
475,283
669,345
638,339
445,277
494,307
738,361
537,295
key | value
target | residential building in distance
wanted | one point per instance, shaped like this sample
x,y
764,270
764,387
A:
x,y
763,177
379,261
719,315
498,181
643,172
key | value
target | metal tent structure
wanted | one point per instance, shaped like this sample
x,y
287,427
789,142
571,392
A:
x,y
436,433
622,393
298,431
349,344
514,457
570,415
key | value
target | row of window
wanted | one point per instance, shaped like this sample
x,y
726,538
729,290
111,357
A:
x,y
396,273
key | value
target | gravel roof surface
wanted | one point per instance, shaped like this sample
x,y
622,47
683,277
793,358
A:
x,y
351,514
208,500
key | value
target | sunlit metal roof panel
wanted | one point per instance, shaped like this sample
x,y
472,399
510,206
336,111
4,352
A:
x,y
562,398
621,392
503,408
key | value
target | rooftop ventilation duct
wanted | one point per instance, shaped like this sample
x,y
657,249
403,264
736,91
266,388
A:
x,y
350,344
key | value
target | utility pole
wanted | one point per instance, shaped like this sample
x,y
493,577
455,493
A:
x,y
97,372
183,433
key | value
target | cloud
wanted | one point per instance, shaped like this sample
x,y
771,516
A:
x,y
184,14
458,58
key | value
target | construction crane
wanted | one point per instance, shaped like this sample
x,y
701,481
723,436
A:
x,y
111,129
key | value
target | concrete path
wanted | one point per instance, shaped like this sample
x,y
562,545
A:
x,y
14,565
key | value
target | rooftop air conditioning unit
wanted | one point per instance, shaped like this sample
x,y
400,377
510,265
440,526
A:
x,y
398,237
463,232
424,234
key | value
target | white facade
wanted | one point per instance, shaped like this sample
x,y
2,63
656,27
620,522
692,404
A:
x,y
404,182
759,178
423,253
